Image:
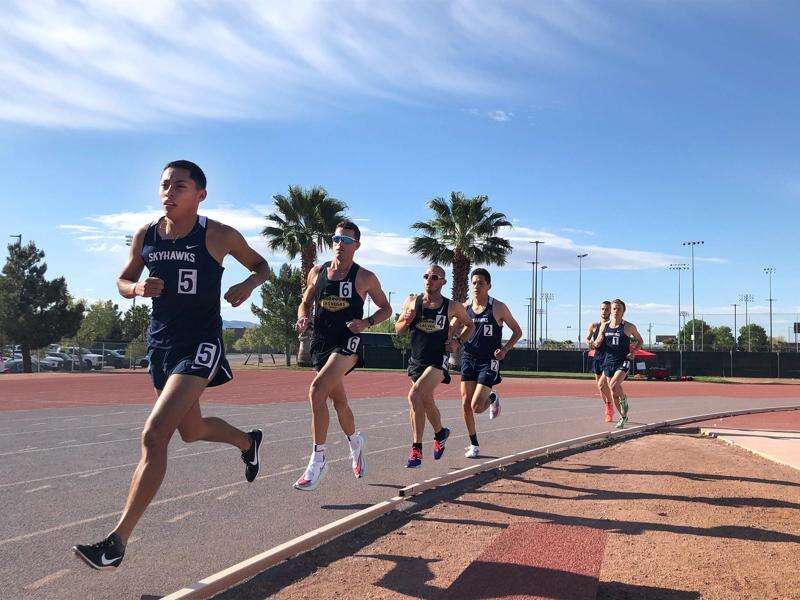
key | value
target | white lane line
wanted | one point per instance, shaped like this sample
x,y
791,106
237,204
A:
x,y
90,474
67,442
38,489
105,434
227,495
71,417
135,538
40,583
180,517
286,467
64,447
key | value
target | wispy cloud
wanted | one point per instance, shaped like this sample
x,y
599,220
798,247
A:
x,y
122,63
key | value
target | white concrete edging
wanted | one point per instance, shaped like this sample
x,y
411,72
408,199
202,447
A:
x,y
235,574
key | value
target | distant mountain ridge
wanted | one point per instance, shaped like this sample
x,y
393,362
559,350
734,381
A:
x,y
238,324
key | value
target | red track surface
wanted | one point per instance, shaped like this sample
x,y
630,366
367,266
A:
x,y
535,560
64,390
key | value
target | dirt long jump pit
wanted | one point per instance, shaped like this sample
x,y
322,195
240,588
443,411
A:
x,y
667,516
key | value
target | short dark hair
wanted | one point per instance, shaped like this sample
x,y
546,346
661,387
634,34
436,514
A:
x,y
351,226
604,302
483,273
438,269
195,173
620,302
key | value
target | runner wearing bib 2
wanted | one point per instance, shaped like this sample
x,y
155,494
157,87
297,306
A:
x,y
483,353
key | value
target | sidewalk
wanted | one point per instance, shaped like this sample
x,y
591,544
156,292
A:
x,y
675,516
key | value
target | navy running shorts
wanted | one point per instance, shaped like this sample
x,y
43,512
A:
x,y
485,371
204,359
597,366
611,366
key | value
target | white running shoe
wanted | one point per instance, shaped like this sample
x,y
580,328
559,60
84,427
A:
x,y
494,407
314,473
357,443
472,451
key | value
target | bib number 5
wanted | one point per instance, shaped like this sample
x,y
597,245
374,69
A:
x,y
187,281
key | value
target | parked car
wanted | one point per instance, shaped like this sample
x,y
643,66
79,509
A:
x,y
142,362
113,358
67,361
15,366
88,359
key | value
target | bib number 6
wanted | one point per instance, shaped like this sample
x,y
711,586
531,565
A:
x,y
352,343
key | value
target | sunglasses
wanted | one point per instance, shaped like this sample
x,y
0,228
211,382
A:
x,y
432,276
343,239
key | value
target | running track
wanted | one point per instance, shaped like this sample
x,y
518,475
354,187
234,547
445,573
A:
x,y
68,445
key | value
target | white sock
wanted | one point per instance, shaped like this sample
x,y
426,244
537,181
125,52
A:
x,y
319,452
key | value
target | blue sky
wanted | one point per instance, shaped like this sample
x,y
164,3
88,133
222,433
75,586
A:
x,y
618,129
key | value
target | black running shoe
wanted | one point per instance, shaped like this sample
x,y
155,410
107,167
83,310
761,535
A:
x,y
250,457
102,556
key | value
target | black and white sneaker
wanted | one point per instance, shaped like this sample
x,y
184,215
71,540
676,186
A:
x,y
250,457
102,556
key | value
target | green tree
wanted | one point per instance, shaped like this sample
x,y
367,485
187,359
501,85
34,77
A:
x,y
703,335
253,340
462,233
228,339
280,295
386,326
754,337
723,337
135,322
303,224
102,321
34,312
402,341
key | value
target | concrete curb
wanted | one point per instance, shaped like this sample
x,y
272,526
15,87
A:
x,y
235,574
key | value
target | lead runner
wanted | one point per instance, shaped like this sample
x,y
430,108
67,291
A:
x,y
183,253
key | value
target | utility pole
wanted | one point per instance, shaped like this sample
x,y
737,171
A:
x,y
547,297
541,298
535,264
769,271
679,267
692,245
650,336
734,325
580,297
747,299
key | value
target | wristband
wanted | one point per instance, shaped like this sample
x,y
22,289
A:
x,y
370,320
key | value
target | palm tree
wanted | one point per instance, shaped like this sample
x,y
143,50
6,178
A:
x,y
462,233
303,224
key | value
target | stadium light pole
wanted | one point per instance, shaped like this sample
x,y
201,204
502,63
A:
x,y
679,267
769,271
541,297
533,290
580,296
692,245
547,297
129,242
747,299
19,239
735,306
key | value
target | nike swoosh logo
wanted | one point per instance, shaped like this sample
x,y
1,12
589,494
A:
x,y
190,247
106,562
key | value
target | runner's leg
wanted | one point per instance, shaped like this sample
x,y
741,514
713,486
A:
x,y
328,377
467,392
343,412
180,393
195,427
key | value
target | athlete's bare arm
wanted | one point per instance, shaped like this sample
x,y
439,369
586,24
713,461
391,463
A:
x,y
589,333
630,330
367,283
504,317
128,282
458,315
307,303
598,341
232,242
406,315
